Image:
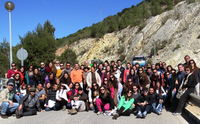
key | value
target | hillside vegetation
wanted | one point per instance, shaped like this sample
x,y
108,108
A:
x,y
133,16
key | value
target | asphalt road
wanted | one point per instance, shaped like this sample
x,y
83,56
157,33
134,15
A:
x,y
62,117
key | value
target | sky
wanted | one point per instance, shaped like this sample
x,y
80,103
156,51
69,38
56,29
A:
x,y
67,16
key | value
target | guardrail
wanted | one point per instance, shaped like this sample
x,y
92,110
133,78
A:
x,y
3,82
193,108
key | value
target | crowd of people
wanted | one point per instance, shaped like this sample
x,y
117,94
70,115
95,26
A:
x,y
103,87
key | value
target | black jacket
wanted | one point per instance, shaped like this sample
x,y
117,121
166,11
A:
x,y
150,98
107,99
51,95
33,103
191,82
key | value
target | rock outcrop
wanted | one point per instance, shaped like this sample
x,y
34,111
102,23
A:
x,y
177,29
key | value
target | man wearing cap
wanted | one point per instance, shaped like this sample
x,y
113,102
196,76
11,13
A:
x,y
7,104
29,104
79,102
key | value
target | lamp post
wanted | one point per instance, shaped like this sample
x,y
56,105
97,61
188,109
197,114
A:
x,y
10,6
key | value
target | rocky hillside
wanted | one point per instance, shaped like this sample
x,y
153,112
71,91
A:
x,y
175,33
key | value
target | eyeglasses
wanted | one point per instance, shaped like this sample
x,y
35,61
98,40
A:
x,y
154,72
105,80
102,89
94,85
111,77
61,65
67,65
134,88
129,92
145,91
13,65
129,81
140,70
41,64
191,63
57,63
114,67
76,85
187,70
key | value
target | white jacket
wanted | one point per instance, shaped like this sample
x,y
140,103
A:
x,y
62,93
89,79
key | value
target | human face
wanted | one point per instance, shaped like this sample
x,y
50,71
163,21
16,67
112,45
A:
x,y
24,87
106,80
55,87
187,70
149,65
180,68
50,65
149,71
68,66
192,64
86,63
36,71
80,91
140,70
112,78
61,86
158,84
100,66
32,93
31,68
129,93
119,63
157,66
151,90
66,76
134,67
61,66
22,69
76,66
132,72
48,85
137,65
57,63
169,68
17,76
13,66
153,66
92,70
51,76
57,81
102,90
42,65
114,67
135,89
76,86
128,66
70,85
168,75
130,81
145,92
39,87
95,86
29,87
105,64
108,68
155,72
164,65
10,87
187,59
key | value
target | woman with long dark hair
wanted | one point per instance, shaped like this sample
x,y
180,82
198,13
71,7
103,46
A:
x,y
16,87
36,76
196,72
125,105
104,100
93,96
114,88
132,76
50,78
29,76
66,79
106,73
22,73
142,79
47,88
51,68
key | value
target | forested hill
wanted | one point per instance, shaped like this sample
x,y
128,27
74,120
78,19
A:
x,y
133,16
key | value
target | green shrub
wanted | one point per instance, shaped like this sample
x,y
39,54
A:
x,y
120,50
106,49
198,37
177,47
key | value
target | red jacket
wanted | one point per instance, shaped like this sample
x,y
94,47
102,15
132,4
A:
x,y
11,72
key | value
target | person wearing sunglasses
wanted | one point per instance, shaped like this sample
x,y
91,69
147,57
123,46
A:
x,y
104,100
143,81
136,96
93,96
43,72
125,105
143,104
12,71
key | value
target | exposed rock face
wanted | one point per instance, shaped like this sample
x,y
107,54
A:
x,y
180,27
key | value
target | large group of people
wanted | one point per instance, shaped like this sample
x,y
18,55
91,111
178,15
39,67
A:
x,y
103,87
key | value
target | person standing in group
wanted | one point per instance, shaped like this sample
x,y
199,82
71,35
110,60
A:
x,y
43,73
100,69
66,79
121,70
85,73
77,75
57,64
7,104
143,81
22,73
132,76
196,72
60,72
51,68
187,60
36,76
29,76
126,71
12,71
107,73
68,68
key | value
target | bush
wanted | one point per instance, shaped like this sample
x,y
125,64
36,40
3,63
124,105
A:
x,y
106,49
190,1
160,45
177,47
122,57
83,52
198,37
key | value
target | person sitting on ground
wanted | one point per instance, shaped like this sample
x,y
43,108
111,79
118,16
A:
x,y
51,98
47,88
104,100
136,96
23,89
41,94
6,102
125,105
16,87
143,105
93,96
29,104
69,95
160,90
61,97
156,100
79,102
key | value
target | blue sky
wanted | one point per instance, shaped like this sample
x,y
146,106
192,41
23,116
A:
x,y
67,16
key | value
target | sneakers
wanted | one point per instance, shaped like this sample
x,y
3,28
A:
x,y
115,116
139,115
64,108
144,115
70,111
159,113
98,113
3,116
73,112
176,113
18,114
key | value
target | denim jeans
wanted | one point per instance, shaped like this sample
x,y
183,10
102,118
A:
x,y
7,108
157,107
17,97
120,88
49,109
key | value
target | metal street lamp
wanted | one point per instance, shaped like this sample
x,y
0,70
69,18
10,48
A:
x,y
10,6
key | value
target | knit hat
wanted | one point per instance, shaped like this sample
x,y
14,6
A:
x,y
10,82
